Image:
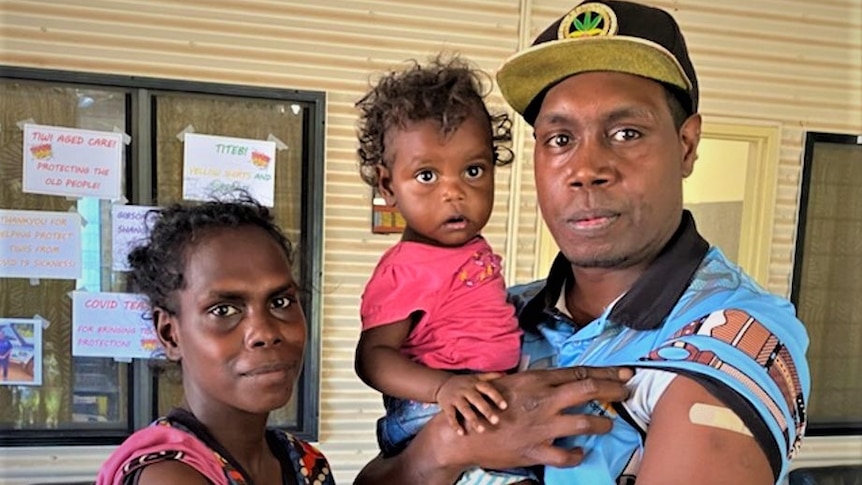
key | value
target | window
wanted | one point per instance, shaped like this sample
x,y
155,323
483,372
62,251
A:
x,y
94,400
827,280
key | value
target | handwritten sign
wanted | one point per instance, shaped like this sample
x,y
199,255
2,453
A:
x,y
117,325
128,229
217,165
72,162
37,244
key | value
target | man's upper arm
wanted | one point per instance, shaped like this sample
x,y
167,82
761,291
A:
x,y
705,445
754,369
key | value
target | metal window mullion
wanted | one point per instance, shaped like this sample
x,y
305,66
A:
x,y
141,392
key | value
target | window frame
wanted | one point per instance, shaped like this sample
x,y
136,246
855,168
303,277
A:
x,y
140,188
812,138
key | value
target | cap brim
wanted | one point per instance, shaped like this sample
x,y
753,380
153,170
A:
x,y
523,76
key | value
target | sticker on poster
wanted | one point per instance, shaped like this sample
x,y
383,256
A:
x,y
116,325
40,244
214,166
128,230
20,352
72,162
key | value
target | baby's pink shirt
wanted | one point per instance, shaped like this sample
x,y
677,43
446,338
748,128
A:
x,y
466,322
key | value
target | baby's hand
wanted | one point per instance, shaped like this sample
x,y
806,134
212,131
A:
x,y
466,394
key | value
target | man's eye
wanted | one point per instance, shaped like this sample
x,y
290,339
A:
x,y
560,140
426,177
223,311
626,134
281,302
474,171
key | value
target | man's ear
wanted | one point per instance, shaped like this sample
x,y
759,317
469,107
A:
x,y
166,330
689,138
384,184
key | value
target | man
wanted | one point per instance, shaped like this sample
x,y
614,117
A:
x,y
5,353
721,378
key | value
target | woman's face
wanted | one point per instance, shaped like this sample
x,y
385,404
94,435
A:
x,y
239,330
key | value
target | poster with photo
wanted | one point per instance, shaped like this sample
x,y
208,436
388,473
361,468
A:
x,y
116,325
72,162
128,229
40,244
20,352
217,165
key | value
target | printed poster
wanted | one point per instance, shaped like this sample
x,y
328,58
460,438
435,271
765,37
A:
x,y
40,244
215,165
128,229
72,162
117,325
20,352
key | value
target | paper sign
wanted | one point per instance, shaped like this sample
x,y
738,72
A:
x,y
128,229
20,351
68,161
217,165
37,244
117,325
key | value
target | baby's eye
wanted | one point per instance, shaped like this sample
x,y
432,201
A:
x,y
474,171
625,134
223,311
426,177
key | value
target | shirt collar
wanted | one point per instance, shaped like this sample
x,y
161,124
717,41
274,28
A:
x,y
651,299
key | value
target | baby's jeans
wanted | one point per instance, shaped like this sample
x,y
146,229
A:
x,y
404,418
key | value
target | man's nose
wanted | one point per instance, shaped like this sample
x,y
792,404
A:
x,y
591,165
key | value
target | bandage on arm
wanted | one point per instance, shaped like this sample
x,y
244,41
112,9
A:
x,y
717,417
678,451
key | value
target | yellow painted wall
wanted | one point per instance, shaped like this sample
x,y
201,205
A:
x,y
719,174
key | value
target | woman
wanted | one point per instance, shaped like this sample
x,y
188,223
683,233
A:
x,y
225,307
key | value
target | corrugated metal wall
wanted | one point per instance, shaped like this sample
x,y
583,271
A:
x,y
793,62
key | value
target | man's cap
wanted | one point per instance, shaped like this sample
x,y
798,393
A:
x,y
606,35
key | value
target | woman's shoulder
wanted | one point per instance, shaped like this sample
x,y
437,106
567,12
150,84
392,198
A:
x,y
161,442
169,471
305,458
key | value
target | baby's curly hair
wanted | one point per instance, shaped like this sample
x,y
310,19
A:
x,y
445,91
157,266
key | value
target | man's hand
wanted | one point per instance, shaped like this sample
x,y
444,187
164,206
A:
x,y
524,436
535,417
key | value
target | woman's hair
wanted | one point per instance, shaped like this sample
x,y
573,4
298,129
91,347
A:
x,y
444,91
157,266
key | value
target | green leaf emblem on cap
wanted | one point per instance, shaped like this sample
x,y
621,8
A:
x,y
588,20
588,25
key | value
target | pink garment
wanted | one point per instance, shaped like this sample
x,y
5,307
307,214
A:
x,y
466,323
156,439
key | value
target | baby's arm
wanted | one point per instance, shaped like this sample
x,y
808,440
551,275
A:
x,y
381,365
